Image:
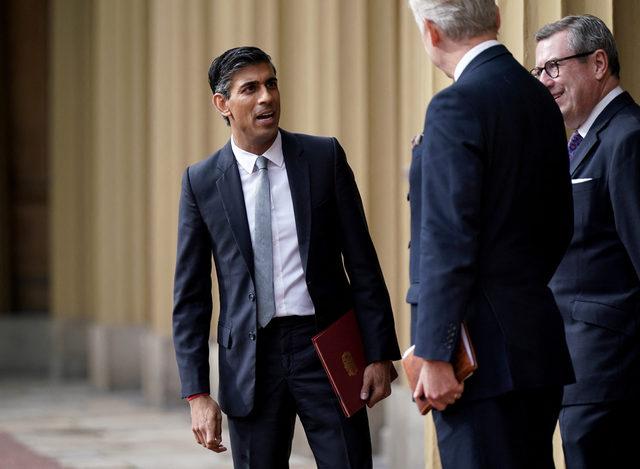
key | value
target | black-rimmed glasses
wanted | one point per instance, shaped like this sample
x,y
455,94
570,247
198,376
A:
x,y
552,67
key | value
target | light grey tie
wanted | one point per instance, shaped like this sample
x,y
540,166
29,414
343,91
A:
x,y
263,248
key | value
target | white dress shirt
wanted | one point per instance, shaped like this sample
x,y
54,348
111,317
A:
x,y
604,102
472,54
289,285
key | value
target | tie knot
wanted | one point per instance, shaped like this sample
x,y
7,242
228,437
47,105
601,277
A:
x,y
574,141
261,163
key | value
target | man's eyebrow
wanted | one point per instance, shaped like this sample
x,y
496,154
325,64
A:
x,y
257,82
248,83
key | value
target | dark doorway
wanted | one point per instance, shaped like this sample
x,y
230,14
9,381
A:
x,y
24,229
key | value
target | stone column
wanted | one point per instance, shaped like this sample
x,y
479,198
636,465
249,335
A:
x,y
179,123
71,161
119,186
626,17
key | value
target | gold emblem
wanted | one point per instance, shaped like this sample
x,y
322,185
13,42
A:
x,y
349,364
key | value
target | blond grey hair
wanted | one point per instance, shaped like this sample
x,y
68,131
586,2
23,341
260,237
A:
x,y
458,19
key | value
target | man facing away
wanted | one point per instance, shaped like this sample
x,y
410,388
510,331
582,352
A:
x,y
495,209
597,285
283,219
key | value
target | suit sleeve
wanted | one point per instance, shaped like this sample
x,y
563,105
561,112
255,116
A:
x,y
452,175
369,292
625,194
192,295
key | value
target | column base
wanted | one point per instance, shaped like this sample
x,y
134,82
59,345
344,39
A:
x,y
115,357
69,349
403,436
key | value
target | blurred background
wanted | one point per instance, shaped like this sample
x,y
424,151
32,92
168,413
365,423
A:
x,y
103,103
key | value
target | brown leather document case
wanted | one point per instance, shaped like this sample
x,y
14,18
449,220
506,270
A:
x,y
464,364
342,355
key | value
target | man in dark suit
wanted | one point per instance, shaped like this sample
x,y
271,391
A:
x,y
495,218
283,219
597,285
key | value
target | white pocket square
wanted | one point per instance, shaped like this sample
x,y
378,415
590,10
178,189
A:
x,y
578,181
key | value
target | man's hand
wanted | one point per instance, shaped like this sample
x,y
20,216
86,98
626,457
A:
x,y
376,383
206,423
438,384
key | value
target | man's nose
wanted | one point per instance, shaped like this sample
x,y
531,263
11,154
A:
x,y
546,79
265,94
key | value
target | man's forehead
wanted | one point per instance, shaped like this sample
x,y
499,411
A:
x,y
254,72
553,47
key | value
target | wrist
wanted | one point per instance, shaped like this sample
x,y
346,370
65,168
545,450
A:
x,y
195,396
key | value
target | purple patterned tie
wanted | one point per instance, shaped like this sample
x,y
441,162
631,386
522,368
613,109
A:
x,y
573,143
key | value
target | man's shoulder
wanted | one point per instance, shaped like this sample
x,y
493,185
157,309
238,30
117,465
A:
x,y
629,114
307,140
619,122
210,162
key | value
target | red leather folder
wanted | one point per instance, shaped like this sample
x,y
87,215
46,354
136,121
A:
x,y
464,364
342,355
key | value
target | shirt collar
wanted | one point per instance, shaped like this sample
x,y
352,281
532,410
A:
x,y
604,102
248,160
472,54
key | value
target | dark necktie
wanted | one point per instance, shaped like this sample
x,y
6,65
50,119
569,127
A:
x,y
573,143
263,246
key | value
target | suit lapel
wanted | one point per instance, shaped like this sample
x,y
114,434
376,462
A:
x,y
230,188
582,151
299,184
593,135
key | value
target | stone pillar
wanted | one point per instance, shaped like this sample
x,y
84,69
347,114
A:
x,y
179,123
70,163
119,187
626,17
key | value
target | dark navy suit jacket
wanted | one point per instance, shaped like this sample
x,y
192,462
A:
x,y
338,257
491,221
597,285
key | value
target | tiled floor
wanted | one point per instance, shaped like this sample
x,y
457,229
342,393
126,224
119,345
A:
x,y
82,428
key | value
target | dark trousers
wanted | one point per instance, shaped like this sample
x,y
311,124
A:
x,y
290,380
511,431
600,435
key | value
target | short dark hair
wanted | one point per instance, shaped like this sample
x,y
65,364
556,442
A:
x,y
226,64
586,33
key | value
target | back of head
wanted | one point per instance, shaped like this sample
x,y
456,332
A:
x,y
458,19
586,33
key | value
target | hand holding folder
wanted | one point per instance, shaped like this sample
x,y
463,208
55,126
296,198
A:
x,y
341,352
464,364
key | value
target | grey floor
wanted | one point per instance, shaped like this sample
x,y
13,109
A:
x,y
82,428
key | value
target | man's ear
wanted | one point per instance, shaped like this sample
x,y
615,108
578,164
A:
x,y
220,102
601,63
432,33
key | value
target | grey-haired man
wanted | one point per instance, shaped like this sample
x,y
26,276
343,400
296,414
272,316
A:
x,y
597,285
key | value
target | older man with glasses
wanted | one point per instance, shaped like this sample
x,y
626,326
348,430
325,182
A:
x,y
597,285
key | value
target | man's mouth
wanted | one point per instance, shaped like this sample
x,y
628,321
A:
x,y
266,115
557,95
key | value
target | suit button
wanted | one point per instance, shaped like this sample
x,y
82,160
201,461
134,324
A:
x,y
252,296
252,335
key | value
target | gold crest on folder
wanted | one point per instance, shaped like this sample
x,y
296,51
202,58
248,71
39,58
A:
x,y
349,363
